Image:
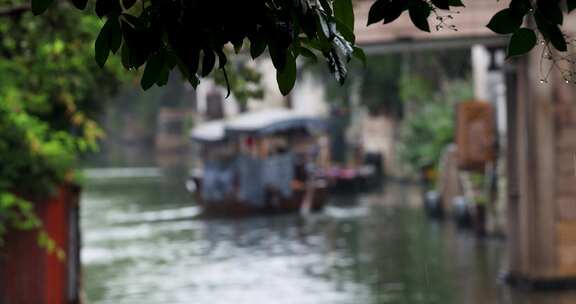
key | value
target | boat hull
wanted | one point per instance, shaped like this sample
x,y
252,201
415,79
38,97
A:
x,y
300,199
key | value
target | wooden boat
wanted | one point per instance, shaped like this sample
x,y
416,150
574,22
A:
x,y
264,161
350,178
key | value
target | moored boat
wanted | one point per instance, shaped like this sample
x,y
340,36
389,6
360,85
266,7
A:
x,y
264,161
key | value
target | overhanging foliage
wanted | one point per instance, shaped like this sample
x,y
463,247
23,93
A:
x,y
192,36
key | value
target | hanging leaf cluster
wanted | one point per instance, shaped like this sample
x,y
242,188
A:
x,y
196,36
548,17
419,11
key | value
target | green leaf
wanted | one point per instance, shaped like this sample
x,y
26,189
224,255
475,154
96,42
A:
x,y
238,44
551,32
109,40
442,4
125,56
377,11
343,47
171,60
195,81
337,66
278,55
226,80
192,60
326,26
102,46
322,46
326,6
344,12
520,7
80,4
308,54
542,25
128,3
550,10
309,24
457,3
108,7
101,7
557,38
152,70
208,62
505,22
257,45
394,10
387,10
346,32
360,55
183,69
222,60
40,6
114,34
521,42
134,21
571,5
163,77
286,77
419,13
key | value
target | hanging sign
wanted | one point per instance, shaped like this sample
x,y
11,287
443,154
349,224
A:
x,y
475,135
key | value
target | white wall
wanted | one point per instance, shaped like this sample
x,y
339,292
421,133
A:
x,y
309,96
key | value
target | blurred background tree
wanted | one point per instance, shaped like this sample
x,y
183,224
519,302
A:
x,y
430,127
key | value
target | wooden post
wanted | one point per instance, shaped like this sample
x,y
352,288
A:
x,y
542,236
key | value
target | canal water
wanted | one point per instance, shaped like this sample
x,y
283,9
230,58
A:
x,y
143,242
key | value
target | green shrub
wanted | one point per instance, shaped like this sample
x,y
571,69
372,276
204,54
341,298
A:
x,y
50,90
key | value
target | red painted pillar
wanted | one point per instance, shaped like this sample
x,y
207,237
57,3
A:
x,y
29,274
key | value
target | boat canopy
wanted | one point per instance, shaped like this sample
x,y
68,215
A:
x,y
270,121
209,132
258,123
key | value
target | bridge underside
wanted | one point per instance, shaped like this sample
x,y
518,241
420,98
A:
x,y
463,29
409,45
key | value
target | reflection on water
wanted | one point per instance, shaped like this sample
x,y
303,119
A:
x,y
144,243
